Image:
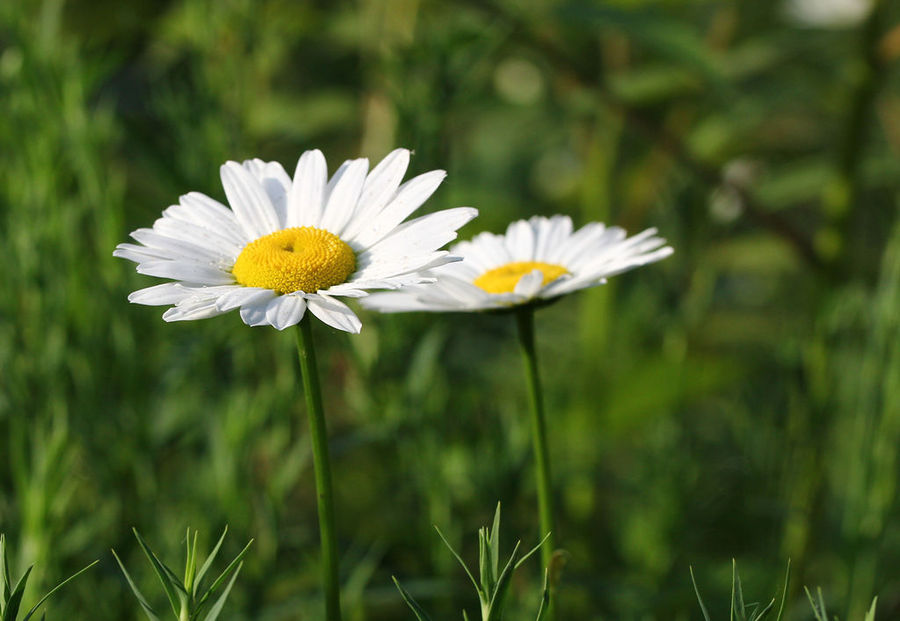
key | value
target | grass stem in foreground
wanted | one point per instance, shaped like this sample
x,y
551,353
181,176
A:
x,y
322,466
525,322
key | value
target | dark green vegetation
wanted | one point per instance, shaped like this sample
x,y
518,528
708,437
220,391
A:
x,y
739,399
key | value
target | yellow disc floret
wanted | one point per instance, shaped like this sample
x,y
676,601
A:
x,y
295,259
503,279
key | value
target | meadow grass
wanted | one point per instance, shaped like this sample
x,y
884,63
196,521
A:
x,y
741,399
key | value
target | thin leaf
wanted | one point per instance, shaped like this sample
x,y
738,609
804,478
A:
x,y
209,560
737,588
140,597
818,605
495,543
218,581
699,599
532,551
15,598
55,589
421,615
163,573
787,581
762,613
458,558
220,603
733,571
485,563
870,616
545,597
5,577
495,611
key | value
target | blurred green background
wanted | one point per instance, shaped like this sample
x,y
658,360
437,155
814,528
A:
x,y
740,399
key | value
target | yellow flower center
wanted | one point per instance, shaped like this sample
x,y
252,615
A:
x,y
503,279
295,259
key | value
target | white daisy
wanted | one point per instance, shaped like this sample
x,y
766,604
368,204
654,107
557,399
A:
x,y
538,259
286,245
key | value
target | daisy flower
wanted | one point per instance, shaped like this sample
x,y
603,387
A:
x,y
536,260
286,245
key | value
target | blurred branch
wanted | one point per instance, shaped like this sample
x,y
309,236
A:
x,y
672,144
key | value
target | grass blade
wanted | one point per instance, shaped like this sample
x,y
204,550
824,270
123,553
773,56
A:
x,y
218,581
55,589
421,615
545,597
208,562
458,558
163,573
15,599
699,599
532,551
220,603
784,592
148,610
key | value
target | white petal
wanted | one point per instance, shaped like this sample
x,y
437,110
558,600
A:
x,y
520,241
252,207
239,295
186,271
160,295
556,234
409,197
193,308
530,284
379,188
274,181
308,190
138,254
209,213
334,313
422,235
255,315
285,311
343,195
177,248
395,302
196,234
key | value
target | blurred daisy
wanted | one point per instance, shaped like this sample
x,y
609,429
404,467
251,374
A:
x,y
827,13
288,245
538,259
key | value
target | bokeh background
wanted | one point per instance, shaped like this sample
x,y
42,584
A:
x,y
740,399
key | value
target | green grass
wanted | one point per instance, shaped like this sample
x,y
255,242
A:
x,y
740,399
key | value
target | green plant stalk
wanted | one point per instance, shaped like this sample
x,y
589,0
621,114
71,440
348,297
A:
x,y
322,467
525,323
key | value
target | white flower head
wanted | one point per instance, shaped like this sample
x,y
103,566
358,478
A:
x,y
537,259
288,245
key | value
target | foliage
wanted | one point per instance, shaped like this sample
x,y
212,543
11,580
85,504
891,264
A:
x,y
11,592
739,399
187,598
493,583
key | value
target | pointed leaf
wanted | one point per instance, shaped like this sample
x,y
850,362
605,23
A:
x,y
5,577
485,562
148,610
737,589
163,573
495,543
461,562
532,551
495,611
787,581
545,597
733,572
15,598
421,615
220,603
209,560
756,616
699,599
870,616
55,589
818,605
218,581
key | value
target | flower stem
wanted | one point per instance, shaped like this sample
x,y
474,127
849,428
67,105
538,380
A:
x,y
525,322
322,467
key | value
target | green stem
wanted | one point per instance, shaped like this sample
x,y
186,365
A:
x,y
525,322
322,466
